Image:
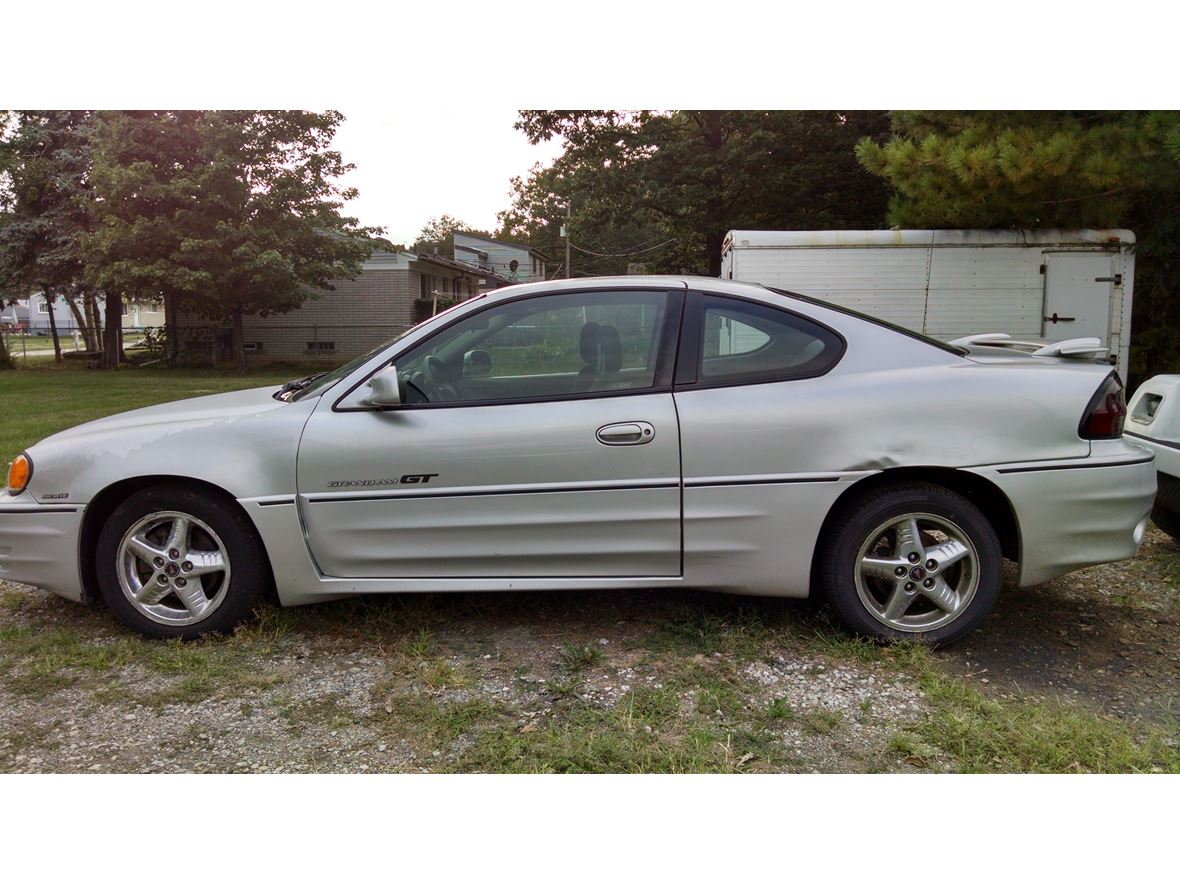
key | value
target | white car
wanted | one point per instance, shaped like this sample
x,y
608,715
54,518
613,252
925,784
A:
x,y
615,433
1154,423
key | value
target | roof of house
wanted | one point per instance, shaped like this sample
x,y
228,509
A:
x,y
458,265
487,239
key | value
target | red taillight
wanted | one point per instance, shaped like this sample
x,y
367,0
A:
x,y
1104,416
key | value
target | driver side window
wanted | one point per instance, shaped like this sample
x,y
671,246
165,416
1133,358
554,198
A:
x,y
575,344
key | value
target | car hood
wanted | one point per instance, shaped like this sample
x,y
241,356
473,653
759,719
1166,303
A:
x,y
244,442
218,408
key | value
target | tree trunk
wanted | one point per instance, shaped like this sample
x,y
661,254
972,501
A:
x,y
112,326
238,341
92,325
714,137
51,300
713,243
171,329
79,320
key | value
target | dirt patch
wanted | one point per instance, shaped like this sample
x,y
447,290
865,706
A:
x,y
1106,636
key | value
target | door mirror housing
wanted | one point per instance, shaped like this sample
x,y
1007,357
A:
x,y
384,390
477,364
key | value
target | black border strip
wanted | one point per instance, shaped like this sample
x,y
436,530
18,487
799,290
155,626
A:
x,y
1152,439
275,503
6,510
694,484
1075,466
492,493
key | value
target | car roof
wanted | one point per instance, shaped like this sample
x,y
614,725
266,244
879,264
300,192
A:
x,y
637,281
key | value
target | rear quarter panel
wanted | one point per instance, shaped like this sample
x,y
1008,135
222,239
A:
x,y
764,463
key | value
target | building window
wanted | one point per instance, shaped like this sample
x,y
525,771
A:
x,y
125,308
42,306
423,286
321,346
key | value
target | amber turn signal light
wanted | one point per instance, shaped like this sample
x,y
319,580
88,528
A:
x,y
20,472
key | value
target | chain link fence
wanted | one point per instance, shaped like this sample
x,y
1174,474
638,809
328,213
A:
x,y
34,346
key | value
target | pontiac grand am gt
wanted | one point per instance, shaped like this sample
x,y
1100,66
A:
x,y
616,433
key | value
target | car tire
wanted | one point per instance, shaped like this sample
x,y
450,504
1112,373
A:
x,y
879,581
1165,513
178,562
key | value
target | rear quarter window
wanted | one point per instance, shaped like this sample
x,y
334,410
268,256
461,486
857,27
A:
x,y
751,342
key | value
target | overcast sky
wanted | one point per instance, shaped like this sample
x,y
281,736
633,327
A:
x,y
416,164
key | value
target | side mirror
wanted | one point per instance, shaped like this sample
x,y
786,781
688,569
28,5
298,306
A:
x,y
384,389
477,363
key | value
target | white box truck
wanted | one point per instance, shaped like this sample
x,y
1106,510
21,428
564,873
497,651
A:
x,y
1039,286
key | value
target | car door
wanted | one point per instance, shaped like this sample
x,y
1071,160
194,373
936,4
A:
x,y
537,437
747,373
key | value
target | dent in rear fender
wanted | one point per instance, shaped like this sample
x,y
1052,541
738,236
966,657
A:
x,y
757,535
1073,515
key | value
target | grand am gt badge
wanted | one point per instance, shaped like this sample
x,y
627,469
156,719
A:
x,y
407,479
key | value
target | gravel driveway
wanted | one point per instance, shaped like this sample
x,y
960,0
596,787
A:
x,y
620,681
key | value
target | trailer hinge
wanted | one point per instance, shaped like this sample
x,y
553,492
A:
x,y
1117,279
1043,266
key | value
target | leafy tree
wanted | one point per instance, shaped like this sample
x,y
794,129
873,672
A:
x,y
222,212
46,159
1062,169
679,180
436,235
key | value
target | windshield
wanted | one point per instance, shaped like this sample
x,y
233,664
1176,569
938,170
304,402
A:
x,y
319,383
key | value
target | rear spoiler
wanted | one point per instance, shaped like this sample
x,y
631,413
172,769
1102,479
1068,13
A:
x,y
1078,348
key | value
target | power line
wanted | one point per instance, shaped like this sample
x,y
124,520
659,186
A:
x,y
623,254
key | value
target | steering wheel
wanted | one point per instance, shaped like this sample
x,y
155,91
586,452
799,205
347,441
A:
x,y
439,388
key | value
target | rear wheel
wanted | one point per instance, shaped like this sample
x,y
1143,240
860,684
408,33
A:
x,y
916,561
178,562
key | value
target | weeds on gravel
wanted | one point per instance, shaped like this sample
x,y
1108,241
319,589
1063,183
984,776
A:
x,y
419,716
701,632
645,732
330,711
576,658
40,661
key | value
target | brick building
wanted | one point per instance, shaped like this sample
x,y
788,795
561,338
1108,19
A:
x,y
337,325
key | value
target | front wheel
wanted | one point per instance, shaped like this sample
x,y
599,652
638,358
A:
x,y
916,561
178,562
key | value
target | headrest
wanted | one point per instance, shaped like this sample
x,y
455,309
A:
x,y
610,349
588,343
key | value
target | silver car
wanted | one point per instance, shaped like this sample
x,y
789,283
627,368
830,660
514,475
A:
x,y
614,433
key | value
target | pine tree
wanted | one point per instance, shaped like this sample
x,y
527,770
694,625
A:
x,y
1064,169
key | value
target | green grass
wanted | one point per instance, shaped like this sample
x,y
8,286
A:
x,y
39,661
984,734
37,402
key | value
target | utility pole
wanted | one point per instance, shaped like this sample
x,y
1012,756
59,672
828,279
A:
x,y
565,232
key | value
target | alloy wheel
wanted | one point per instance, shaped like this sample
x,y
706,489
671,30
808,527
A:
x,y
173,568
917,572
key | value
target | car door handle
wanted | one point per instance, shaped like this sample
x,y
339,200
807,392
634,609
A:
x,y
629,433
